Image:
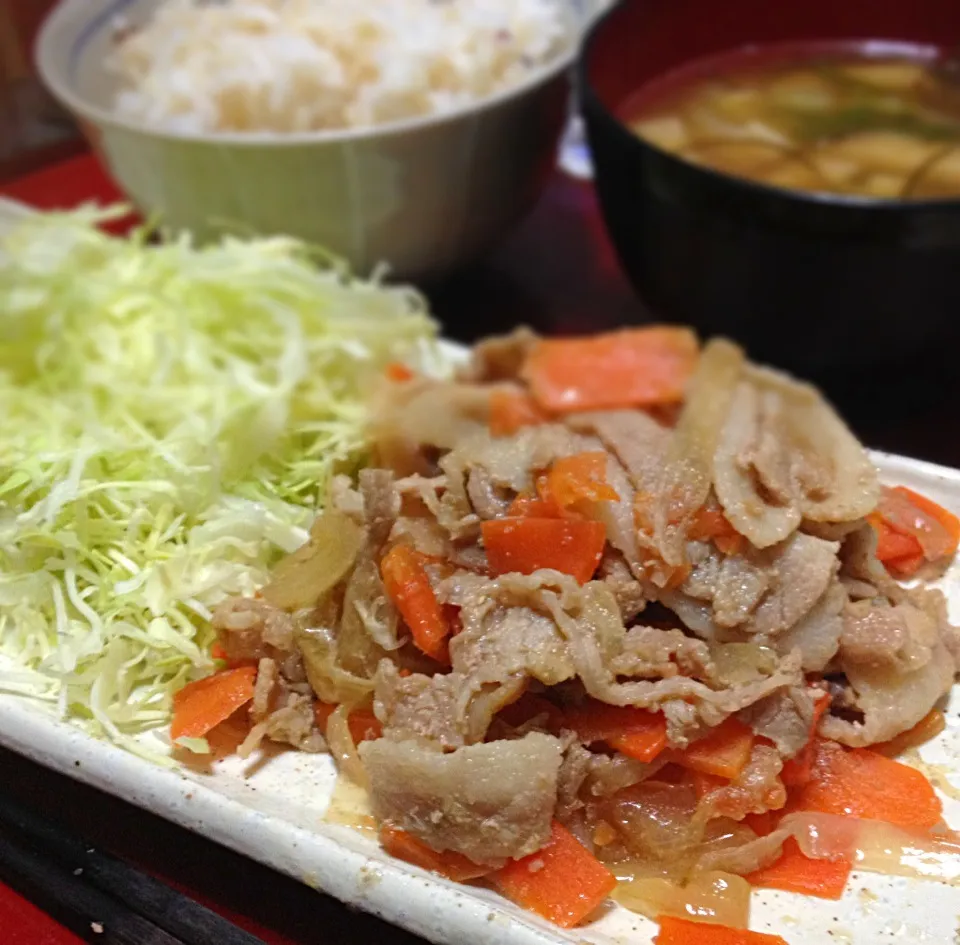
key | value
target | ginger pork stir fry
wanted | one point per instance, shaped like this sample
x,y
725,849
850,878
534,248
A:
x,y
622,593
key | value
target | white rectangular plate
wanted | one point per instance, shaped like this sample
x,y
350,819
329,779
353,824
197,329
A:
x,y
274,812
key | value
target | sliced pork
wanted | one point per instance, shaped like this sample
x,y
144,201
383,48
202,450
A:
x,y
488,802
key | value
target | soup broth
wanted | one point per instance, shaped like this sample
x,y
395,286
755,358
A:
x,y
814,118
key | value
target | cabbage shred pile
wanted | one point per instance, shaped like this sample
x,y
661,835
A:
x,y
170,417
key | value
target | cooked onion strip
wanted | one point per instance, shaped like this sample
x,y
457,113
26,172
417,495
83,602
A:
x,y
344,749
720,898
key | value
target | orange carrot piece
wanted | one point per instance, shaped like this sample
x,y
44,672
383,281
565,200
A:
x,y
794,872
580,478
930,726
563,882
675,931
201,705
636,367
528,707
713,525
892,544
912,528
945,517
634,732
512,410
525,545
798,770
408,586
398,372
364,726
862,783
405,846
724,752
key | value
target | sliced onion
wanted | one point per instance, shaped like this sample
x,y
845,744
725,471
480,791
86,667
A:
x,y
720,898
344,749
877,847
689,466
301,578
739,663
329,680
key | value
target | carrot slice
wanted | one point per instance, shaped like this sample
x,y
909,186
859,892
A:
x,y
563,882
405,846
930,726
892,544
512,410
407,585
949,521
912,528
525,545
862,783
398,372
724,752
364,726
201,705
712,525
798,770
795,872
636,367
675,931
634,732
580,478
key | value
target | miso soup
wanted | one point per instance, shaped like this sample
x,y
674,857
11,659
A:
x,y
834,119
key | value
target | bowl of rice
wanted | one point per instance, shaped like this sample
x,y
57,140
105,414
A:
x,y
408,132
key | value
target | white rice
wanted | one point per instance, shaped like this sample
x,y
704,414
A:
x,y
308,65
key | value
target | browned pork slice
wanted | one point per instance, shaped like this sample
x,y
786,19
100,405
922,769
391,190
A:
x,y
901,637
506,630
763,593
499,358
755,790
784,456
600,649
784,718
512,462
890,702
634,437
430,413
282,711
488,802
671,470
630,594
444,710
897,665
638,445
816,636
651,653
250,629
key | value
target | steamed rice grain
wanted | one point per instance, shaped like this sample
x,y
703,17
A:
x,y
312,65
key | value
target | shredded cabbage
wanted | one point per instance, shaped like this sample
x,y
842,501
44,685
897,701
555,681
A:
x,y
169,419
